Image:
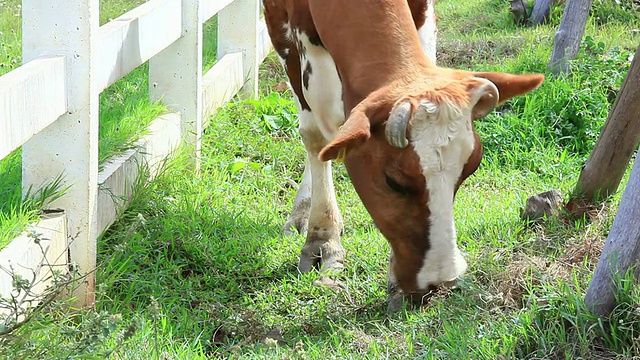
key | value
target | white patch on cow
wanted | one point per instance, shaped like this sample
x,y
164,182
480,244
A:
x,y
324,215
283,61
299,217
443,139
287,31
323,92
391,273
318,185
427,32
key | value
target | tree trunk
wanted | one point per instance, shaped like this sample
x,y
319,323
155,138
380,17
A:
x,y
620,135
621,251
567,39
540,12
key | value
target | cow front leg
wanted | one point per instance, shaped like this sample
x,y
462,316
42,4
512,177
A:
x,y
298,220
322,248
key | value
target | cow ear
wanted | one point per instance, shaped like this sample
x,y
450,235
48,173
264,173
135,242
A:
x,y
353,132
483,97
510,85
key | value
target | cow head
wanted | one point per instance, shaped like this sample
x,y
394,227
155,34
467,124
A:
x,y
407,148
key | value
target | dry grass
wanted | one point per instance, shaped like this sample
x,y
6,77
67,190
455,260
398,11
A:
x,y
571,255
460,54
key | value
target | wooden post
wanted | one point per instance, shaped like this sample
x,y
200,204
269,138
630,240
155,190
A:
x,y
620,135
175,75
621,251
70,145
238,32
540,12
567,40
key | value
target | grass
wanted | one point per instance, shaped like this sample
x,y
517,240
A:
x,y
125,110
197,267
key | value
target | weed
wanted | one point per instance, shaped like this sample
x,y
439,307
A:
x,y
278,114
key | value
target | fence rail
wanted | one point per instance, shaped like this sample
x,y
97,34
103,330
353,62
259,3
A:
x,y
135,37
31,98
49,105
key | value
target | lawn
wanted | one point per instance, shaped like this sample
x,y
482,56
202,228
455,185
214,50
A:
x,y
197,268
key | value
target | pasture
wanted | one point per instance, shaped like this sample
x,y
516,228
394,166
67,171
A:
x,y
197,267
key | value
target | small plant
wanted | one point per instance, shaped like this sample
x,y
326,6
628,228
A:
x,y
277,114
37,324
239,164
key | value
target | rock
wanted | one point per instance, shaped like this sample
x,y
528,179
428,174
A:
x,y
541,206
519,11
274,337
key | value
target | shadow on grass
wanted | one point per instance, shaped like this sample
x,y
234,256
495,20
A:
x,y
220,275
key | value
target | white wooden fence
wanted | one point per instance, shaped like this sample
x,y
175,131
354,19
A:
x,y
49,106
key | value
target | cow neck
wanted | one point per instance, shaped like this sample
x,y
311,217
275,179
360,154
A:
x,y
373,43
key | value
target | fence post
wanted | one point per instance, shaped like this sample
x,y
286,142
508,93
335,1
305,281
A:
x,y
175,75
238,31
70,145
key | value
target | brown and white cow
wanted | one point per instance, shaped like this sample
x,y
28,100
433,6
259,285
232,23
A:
x,y
408,141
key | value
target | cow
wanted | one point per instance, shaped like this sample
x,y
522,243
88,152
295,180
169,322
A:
x,y
368,95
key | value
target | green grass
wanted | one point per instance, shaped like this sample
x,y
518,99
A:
x,y
125,110
10,35
197,268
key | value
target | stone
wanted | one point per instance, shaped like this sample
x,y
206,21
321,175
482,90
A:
x,y
541,206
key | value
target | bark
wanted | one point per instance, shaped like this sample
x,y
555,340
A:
x,y
621,251
620,135
540,12
567,39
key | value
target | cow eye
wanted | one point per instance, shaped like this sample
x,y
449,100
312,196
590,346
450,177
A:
x,y
395,186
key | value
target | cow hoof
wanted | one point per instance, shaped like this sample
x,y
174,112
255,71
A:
x,y
324,255
451,284
295,226
330,283
328,265
308,263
